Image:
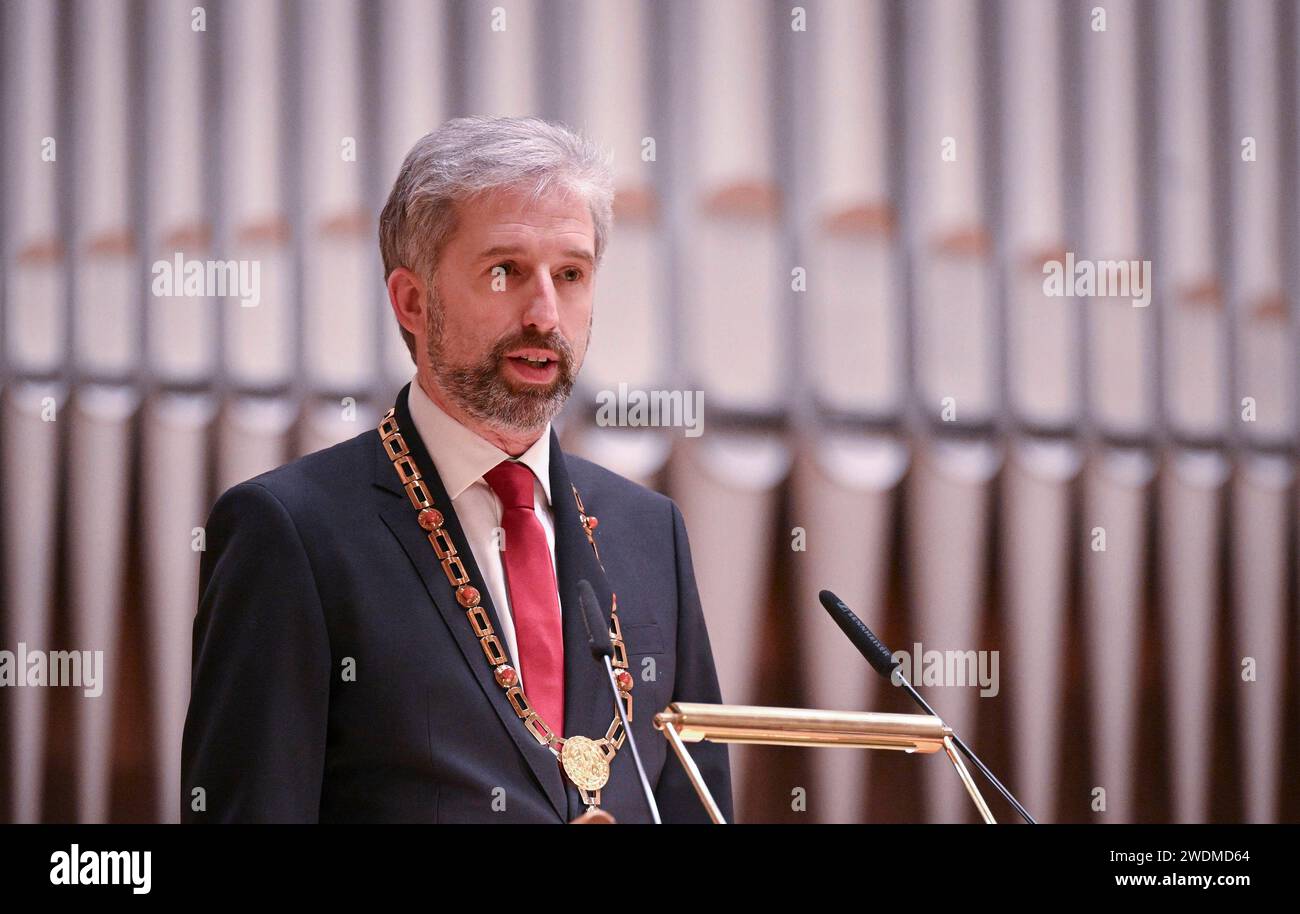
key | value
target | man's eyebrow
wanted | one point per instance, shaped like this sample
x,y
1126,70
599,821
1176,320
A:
x,y
505,250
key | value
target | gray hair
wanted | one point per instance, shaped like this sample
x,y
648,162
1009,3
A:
x,y
468,156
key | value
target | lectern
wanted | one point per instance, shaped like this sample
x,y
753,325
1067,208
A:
x,y
686,722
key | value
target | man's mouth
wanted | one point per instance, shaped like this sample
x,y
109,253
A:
x,y
537,367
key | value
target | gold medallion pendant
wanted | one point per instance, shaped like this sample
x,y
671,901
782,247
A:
x,y
584,763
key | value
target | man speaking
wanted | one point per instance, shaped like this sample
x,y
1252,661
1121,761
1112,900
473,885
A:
x,y
389,629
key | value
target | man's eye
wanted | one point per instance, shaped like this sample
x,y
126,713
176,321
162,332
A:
x,y
503,269
573,274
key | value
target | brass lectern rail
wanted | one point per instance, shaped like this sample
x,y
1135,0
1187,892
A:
x,y
688,722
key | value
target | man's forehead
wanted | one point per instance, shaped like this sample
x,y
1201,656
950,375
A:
x,y
508,221
521,206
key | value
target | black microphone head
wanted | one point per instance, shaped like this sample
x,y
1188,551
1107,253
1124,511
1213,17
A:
x,y
593,618
879,656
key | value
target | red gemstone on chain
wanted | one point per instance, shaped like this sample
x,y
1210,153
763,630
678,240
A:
x,y
467,596
624,680
506,675
430,518
592,522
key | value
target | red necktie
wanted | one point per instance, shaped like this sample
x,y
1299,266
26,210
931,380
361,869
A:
x,y
530,581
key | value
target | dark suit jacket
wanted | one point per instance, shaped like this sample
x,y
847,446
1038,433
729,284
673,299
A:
x,y
320,566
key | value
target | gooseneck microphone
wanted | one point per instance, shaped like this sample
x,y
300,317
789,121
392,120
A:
x,y
882,661
603,649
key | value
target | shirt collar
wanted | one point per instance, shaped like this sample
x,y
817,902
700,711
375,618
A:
x,y
460,456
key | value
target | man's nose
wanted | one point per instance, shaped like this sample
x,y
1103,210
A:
x,y
543,311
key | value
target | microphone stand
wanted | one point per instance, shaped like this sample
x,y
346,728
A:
x,y
631,742
882,661
601,646
965,750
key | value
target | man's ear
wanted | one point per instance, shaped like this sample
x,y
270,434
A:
x,y
406,292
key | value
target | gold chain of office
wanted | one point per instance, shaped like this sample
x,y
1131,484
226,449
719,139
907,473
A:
x,y
585,761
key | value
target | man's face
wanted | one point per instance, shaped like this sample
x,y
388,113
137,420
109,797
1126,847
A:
x,y
511,308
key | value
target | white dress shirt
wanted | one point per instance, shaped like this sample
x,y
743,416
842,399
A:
x,y
461,458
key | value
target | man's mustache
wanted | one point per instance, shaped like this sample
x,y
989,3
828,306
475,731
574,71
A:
x,y
552,341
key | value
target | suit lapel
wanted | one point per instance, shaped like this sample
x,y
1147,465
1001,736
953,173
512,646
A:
x,y
588,704
400,517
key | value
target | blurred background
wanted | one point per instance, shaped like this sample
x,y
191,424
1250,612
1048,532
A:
x,y
832,219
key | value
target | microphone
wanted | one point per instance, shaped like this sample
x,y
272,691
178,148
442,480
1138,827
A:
x,y
602,648
868,645
882,661
594,620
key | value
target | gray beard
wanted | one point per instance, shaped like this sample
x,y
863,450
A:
x,y
482,390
